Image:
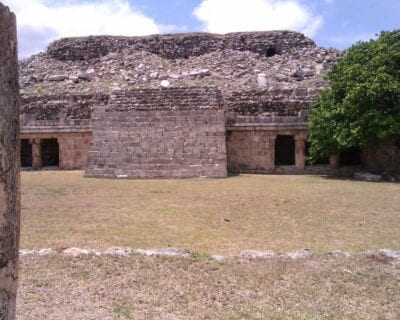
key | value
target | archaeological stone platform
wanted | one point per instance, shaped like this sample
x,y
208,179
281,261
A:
x,y
159,133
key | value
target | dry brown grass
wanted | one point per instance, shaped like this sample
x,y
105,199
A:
x,y
63,209
137,287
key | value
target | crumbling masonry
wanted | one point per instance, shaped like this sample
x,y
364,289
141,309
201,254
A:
x,y
9,164
177,105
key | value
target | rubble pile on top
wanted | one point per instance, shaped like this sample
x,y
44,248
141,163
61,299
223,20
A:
x,y
268,62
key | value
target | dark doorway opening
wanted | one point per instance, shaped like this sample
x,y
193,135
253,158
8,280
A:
x,y
270,52
350,157
49,152
26,153
284,151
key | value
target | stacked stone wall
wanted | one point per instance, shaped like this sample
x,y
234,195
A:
x,y
171,99
249,150
9,164
181,134
73,147
180,46
253,151
272,102
60,107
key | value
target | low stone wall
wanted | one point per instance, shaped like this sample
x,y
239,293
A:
x,y
180,135
173,46
9,164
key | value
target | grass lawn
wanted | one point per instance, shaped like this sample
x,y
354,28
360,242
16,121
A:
x,y
149,288
62,209
224,216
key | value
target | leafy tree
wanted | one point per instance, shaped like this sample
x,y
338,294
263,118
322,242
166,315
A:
x,y
361,107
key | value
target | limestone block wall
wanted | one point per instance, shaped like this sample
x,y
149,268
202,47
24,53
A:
x,y
168,133
252,149
9,164
73,147
271,102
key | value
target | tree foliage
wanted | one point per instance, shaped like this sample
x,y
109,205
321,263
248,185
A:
x,y
362,104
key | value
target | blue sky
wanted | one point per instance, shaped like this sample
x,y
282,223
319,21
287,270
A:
x,y
331,23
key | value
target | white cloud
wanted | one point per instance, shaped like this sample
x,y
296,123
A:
x,y
223,16
41,21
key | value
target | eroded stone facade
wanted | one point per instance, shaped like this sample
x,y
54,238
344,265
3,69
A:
x,y
180,105
9,164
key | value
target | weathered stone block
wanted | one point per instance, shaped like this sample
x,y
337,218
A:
x,y
9,164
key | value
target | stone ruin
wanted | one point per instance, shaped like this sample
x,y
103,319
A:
x,y
175,105
117,106
9,164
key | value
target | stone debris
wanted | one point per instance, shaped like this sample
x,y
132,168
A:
x,y
199,72
231,62
154,75
367,176
218,257
46,252
85,76
118,251
165,83
164,252
75,252
26,252
262,81
174,76
390,253
299,254
338,254
176,252
257,254
74,79
58,77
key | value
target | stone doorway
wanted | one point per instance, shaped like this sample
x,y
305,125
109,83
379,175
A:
x,y
284,151
50,153
350,157
26,153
